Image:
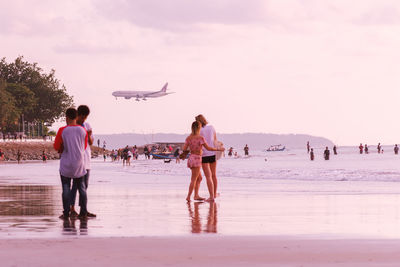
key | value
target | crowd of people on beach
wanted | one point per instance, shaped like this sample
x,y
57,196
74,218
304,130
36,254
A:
x,y
363,149
125,155
129,153
232,153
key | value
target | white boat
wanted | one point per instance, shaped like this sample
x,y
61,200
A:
x,y
274,148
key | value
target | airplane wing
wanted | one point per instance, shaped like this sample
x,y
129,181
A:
x,y
151,94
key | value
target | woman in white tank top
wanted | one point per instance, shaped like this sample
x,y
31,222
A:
x,y
209,162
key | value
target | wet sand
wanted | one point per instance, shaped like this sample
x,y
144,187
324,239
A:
x,y
131,205
143,219
199,251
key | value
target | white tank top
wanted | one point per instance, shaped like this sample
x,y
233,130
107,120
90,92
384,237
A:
x,y
208,133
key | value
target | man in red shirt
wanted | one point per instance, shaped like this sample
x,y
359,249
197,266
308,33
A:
x,y
71,141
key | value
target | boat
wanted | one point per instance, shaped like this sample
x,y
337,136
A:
x,y
162,155
275,148
165,150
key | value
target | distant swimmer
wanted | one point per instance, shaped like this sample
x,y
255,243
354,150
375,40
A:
x,y
246,150
230,152
308,146
396,149
379,147
326,153
176,155
130,155
146,152
361,148
119,154
19,156
312,154
334,150
366,149
125,156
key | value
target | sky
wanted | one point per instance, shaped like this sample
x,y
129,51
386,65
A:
x,y
319,67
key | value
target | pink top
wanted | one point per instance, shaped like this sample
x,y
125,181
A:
x,y
195,142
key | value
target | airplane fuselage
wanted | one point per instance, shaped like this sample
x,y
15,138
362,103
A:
x,y
138,94
141,94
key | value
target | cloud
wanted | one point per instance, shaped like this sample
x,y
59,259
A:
x,y
182,14
85,48
32,19
387,15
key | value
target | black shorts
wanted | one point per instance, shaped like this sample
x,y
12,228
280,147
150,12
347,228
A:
x,y
209,159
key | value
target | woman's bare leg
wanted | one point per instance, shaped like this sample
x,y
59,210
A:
x,y
195,175
210,185
212,218
197,188
213,168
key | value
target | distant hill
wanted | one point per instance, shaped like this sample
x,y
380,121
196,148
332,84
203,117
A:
x,y
256,141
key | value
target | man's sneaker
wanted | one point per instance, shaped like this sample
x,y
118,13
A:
x,y
73,213
63,217
92,215
82,216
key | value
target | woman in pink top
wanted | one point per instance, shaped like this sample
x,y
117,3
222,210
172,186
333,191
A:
x,y
195,143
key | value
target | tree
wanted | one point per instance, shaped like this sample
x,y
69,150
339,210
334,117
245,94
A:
x,y
52,133
24,99
49,94
9,112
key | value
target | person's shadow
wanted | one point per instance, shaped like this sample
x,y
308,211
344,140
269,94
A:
x,y
69,226
194,214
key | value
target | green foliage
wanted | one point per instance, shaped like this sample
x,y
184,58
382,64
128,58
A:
x,y
9,113
52,133
39,96
25,99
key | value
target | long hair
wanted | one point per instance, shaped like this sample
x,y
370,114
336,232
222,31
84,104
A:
x,y
200,118
195,127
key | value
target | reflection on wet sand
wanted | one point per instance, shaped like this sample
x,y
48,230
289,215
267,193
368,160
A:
x,y
211,225
69,227
28,208
27,200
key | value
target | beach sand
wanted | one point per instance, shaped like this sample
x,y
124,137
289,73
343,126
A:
x,y
198,251
143,218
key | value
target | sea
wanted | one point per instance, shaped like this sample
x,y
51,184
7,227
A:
x,y
351,195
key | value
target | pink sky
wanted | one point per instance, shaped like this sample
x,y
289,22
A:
x,y
326,68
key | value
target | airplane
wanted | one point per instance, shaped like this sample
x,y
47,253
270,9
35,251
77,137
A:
x,y
142,94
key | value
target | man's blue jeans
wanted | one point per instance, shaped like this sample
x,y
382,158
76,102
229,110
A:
x,y
75,189
66,194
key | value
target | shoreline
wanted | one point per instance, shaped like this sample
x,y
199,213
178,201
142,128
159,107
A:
x,y
199,251
32,151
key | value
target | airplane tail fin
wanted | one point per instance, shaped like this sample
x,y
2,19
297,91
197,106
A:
x,y
164,89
